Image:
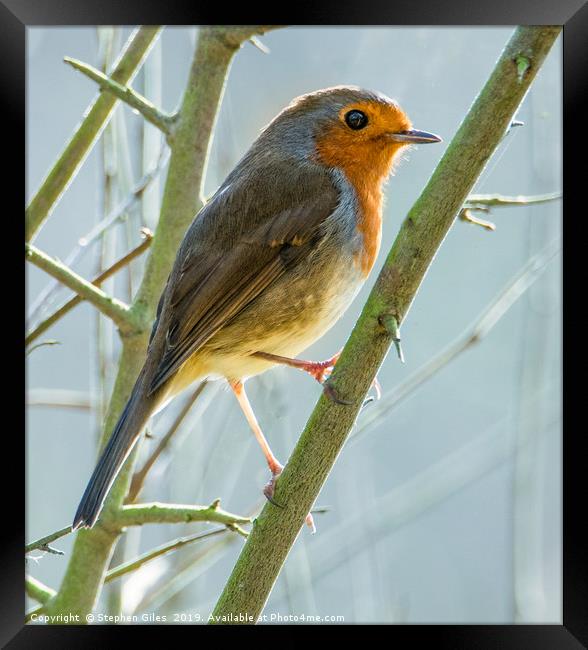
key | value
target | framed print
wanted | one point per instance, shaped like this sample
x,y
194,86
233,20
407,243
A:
x,y
335,239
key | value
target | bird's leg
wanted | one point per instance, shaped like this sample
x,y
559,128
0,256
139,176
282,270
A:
x,y
274,464
320,370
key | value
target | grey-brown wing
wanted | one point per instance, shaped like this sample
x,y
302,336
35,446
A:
x,y
202,301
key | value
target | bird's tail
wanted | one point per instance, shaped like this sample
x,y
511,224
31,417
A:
x,y
121,442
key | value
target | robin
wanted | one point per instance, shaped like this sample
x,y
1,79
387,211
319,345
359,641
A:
x,y
269,263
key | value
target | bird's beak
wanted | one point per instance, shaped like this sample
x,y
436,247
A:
x,y
414,137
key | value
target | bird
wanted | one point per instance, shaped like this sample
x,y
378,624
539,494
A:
x,y
269,263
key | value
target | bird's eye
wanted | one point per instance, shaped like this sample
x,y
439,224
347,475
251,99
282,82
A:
x,y
356,120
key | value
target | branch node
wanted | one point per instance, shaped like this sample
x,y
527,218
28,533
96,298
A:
x,y
50,549
389,322
43,543
237,529
262,47
523,64
146,233
465,214
116,310
163,121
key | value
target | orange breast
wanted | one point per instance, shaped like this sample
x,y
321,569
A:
x,y
365,165
369,224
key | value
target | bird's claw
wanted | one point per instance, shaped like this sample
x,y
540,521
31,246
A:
x,y
268,492
332,394
322,370
270,486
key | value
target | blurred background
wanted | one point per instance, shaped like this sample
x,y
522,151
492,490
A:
x,y
445,505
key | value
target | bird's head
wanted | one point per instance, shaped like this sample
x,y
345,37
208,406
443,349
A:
x,y
347,127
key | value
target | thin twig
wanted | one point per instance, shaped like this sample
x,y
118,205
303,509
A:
x,y
37,590
259,44
43,543
174,545
501,201
83,139
43,344
60,398
116,310
128,202
465,214
97,281
139,477
162,120
149,513
193,563
173,582
83,245
171,513
484,203
128,257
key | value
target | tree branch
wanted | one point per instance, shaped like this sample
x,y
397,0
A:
x,y
465,214
42,344
484,203
84,242
37,590
174,545
501,201
116,310
97,281
163,121
37,611
43,543
418,240
83,139
166,513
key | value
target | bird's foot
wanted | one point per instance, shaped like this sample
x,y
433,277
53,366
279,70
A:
x,y
270,486
268,492
320,370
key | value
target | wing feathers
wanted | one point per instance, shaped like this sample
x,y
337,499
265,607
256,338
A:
x,y
212,286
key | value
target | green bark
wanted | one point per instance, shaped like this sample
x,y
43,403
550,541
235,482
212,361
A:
x,y
37,590
116,310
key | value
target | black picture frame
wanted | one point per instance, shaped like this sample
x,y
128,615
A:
x,y
16,15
